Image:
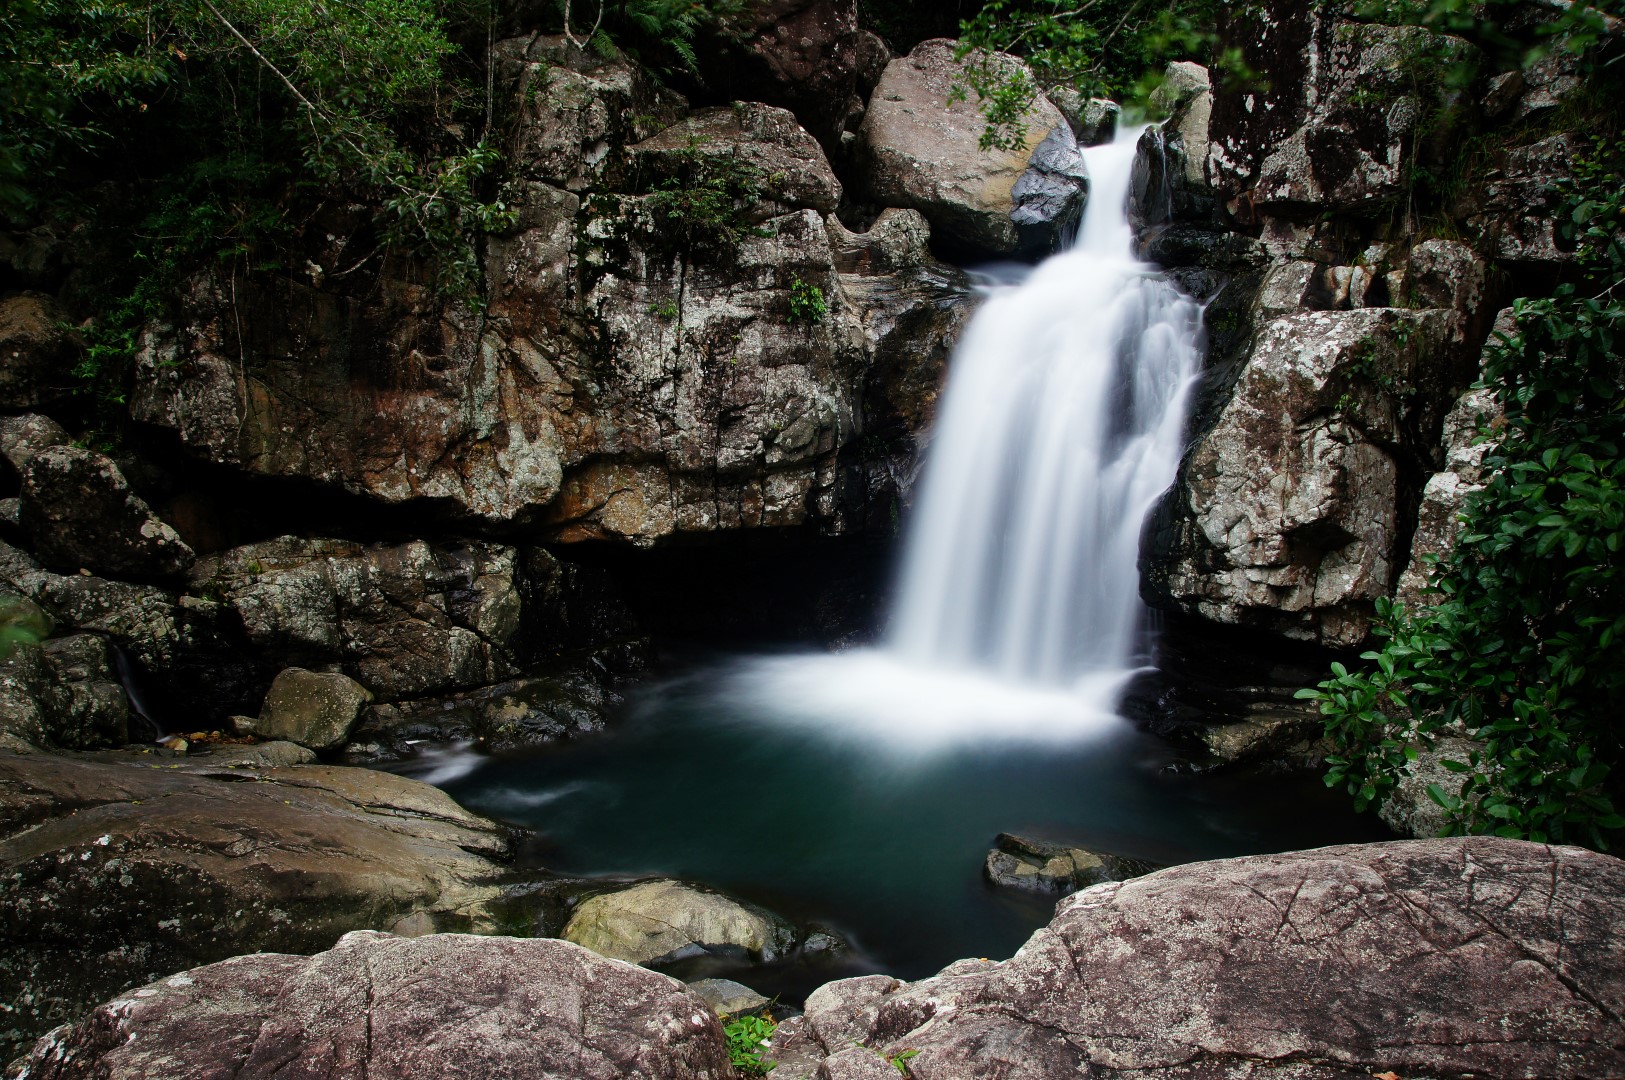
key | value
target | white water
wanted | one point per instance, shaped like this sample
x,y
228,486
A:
x,y
1018,611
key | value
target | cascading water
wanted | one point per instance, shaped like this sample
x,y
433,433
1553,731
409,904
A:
x,y
1060,426
1018,604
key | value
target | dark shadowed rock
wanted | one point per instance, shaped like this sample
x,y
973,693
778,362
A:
x,y
379,1007
78,510
21,437
118,868
37,351
1051,193
807,56
1020,862
63,693
1423,958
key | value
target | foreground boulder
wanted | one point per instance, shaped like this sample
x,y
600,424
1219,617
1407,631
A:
x,y
389,1008
315,709
117,868
1424,958
664,921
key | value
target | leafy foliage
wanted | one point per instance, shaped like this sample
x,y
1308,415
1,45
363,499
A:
x,y
705,202
807,303
747,1036
1100,48
658,33
1524,648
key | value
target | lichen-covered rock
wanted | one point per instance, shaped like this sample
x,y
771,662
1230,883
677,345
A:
x,y
79,512
925,154
315,709
37,352
403,620
663,921
1420,958
1020,862
381,1007
21,437
807,56
113,871
1185,97
1409,810
727,997
1288,512
1518,203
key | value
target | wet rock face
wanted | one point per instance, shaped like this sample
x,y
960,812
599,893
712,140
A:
x,y
391,1008
924,154
78,511
113,872
1423,958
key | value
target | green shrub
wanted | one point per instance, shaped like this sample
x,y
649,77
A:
x,y
807,303
747,1036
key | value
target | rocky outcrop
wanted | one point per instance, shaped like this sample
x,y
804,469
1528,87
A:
x,y
79,512
120,868
922,152
1425,958
21,437
315,709
1020,862
1290,512
404,620
660,922
665,347
394,1008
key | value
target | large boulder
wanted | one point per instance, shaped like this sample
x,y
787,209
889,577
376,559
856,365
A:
x,y
315,709
79,512
21,437
663,921
805,55
1473,956
381,1007
1288,514
924,152
117,869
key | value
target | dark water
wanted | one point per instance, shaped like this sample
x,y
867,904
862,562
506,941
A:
x,y
884,846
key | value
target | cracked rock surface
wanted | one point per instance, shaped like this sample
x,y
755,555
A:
x,y
383,1007
1435,958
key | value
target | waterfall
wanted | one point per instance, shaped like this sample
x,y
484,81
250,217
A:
x,y
1060,426
1018,609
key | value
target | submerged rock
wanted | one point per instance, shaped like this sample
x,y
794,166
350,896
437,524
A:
x,y
392,1008
662,921
728,998
118,868
1019,862
1421,958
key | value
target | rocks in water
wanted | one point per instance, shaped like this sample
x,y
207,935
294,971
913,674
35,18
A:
x,y
662,921
925,154
79,512
1186,99
315,709
395,1008
37,351
1093,120
1276,731
1050,195
1019,862
403,620
118,868
1421,958
728,998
